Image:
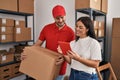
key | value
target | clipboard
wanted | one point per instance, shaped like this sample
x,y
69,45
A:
x,y
65,46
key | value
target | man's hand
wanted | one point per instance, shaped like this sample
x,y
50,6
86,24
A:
x,y
60,60
23,56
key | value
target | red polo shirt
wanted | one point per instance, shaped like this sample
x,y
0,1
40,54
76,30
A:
x,y
51,34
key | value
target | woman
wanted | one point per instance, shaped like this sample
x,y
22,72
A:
x,y
86,52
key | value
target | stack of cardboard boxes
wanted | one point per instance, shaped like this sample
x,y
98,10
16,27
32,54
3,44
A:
x,y
13,31
21,33
93,8
6,57
115,55
24,6
99,28
100,5
9,71
6,30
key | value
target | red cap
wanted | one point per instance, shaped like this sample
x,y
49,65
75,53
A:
x,y
58,11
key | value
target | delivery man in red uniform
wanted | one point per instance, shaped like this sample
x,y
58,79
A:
x,y
55,32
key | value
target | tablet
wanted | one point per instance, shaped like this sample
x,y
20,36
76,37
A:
x,y
65,46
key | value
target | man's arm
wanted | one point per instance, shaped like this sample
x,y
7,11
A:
x,y
38,43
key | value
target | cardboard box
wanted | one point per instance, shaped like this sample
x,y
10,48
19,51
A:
x,y
40,63
15,69
101,29
22,34
5,72
115,56
10,5
116,27
104,6
26,6
6,22
101,25
96,24
6,30
19,23
100,32
6,38
96,32
6,69
5,58
95,4
27,34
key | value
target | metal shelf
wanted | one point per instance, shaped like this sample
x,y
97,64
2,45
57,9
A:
x,y
16,42
9,63
89,10
15,13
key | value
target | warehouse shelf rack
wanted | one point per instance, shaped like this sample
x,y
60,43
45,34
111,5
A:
x,y
26,20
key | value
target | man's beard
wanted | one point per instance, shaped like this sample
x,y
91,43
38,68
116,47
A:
x,y
60,24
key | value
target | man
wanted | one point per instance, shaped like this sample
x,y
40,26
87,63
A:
x,y
57,31
54,32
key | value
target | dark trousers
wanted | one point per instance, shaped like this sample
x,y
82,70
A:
x,y
81,75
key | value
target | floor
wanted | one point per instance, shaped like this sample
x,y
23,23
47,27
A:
x,y
21,77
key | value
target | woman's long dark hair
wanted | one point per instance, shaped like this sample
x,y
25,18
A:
x,y
89,25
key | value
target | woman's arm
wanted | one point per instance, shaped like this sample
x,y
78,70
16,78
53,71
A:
x,y
67,58
88,62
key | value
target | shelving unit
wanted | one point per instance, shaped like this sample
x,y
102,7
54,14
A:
x,y
16,63
93,15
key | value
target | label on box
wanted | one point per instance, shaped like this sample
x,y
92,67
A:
x,y
94,23
3,21
100,32
4,58
3,29
18,30
100,24
16,22
3,37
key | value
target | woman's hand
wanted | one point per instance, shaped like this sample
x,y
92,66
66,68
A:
x,y
66,57
73,55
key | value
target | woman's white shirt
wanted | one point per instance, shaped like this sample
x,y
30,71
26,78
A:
x,y
87,48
